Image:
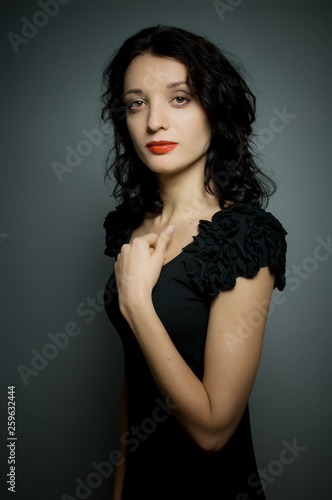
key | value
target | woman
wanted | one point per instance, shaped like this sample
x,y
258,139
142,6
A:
x,y
197,258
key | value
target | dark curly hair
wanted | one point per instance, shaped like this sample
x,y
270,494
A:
x,y
231,173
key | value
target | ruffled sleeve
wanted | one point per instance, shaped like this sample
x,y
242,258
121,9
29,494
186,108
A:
x,y
119,224
238,241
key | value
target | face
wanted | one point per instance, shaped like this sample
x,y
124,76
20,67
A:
x,y
166,121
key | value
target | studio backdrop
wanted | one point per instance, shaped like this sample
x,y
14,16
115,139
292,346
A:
x,y
61,360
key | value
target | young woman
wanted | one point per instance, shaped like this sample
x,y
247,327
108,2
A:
x,y
197,258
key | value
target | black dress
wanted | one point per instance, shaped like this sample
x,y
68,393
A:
x,y
162,460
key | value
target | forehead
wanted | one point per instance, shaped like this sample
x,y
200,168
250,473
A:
x,y
148,72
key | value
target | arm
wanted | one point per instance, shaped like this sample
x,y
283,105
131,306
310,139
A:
x,y
211,409
122,448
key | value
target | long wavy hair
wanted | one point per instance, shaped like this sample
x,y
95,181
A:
x,y
231,172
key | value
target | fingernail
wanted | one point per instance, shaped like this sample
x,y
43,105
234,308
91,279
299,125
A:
x,y
170,230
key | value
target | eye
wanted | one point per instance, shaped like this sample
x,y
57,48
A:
x,y
132,105
180,100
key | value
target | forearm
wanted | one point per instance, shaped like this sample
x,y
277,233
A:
x,y
175,380
209,409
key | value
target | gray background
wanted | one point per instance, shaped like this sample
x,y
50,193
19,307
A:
x,y
52,239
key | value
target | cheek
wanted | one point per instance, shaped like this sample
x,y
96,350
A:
x,y
197,125
201,134
134,123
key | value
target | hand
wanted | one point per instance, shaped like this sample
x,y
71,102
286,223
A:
x,y
138,266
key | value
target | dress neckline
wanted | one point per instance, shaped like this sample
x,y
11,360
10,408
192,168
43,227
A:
x,y
175,257
189,244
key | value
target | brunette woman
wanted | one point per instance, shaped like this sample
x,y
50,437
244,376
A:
x,y
197,258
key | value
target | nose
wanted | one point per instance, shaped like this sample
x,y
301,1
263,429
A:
x,y
157,117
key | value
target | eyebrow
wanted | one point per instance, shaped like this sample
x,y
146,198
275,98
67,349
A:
x,y
176,84
169,86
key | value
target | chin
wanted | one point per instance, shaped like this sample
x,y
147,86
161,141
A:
x,y
166,169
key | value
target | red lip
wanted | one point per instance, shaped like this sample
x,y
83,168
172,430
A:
x,y
161,147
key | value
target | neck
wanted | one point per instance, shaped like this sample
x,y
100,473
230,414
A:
x,y
184,196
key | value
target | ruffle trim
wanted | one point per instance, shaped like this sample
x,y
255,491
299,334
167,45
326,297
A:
x,y
238,241
118,225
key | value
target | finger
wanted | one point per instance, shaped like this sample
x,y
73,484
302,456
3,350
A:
x,y
150,238
163,240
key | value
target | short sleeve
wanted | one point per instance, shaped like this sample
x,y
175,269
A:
x,y
238,241
118,225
